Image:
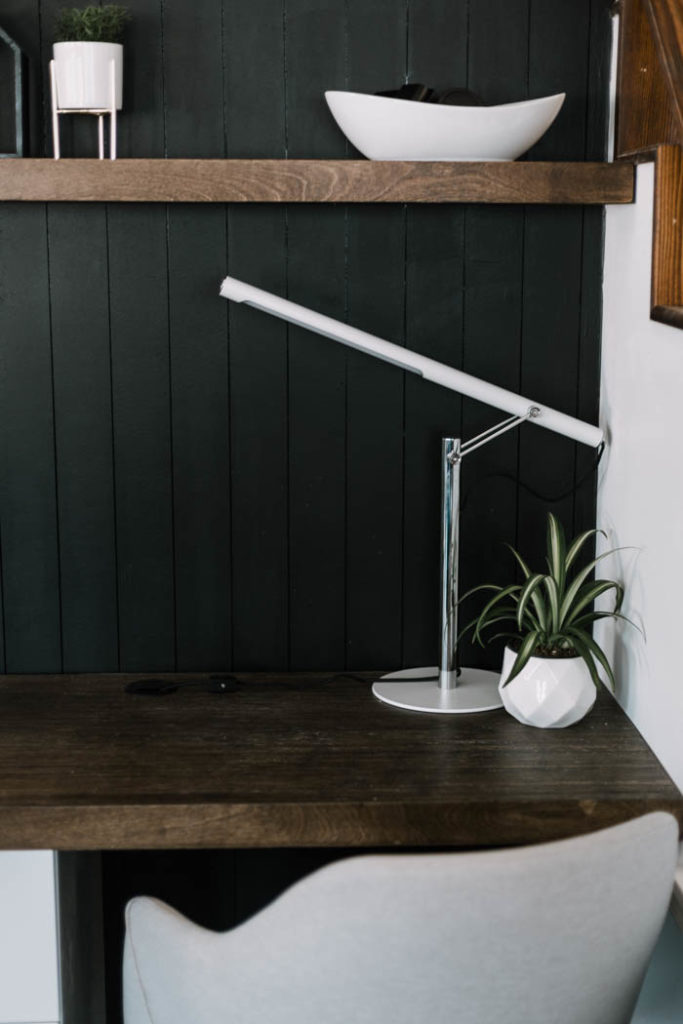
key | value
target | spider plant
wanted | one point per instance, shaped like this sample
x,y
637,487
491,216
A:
x,y
92,24
552,611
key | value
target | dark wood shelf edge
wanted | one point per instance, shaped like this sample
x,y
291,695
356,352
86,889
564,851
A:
x,y
670,315
638,156
314,181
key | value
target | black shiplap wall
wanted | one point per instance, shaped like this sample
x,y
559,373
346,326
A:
x,y
185,484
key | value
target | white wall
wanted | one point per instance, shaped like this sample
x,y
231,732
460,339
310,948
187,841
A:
x,y
640,503
29,988
640,497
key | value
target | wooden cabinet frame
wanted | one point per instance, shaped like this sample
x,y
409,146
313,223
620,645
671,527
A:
x,y
649,125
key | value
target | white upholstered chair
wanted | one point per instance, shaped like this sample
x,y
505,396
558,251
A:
x,y
559,933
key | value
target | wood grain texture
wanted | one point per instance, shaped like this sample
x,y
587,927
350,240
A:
x,y
312,181
646,113
301,760
666,24
667,251
650,124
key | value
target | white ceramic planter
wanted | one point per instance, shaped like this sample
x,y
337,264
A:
x,y
549,693
385,128
83,75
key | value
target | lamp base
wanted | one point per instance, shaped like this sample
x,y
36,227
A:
x,y
417,689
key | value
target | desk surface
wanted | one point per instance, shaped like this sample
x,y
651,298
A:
x,y
302,760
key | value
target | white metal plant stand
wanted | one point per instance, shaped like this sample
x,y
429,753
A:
x,y
99,112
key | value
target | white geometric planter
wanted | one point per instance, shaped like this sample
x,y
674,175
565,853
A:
x,y
549,693
83,75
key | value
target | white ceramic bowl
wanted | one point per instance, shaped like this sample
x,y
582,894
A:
x,y
383,128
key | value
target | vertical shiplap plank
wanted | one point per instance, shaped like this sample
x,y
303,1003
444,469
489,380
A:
x,y
83,424
28,502
79,287
140,372
200,412
142,121
374,407
437,56
49,11
588,373
254,117
588,398
142,443
498,61
316,50
198,346
558,61
200,417
193,104
21,20
254,61
551,319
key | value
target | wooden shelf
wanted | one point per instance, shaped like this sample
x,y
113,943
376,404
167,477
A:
x,y
313,181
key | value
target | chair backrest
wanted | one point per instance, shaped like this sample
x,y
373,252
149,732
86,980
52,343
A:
x,y
559,933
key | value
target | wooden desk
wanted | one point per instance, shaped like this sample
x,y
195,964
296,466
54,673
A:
x,y
301,760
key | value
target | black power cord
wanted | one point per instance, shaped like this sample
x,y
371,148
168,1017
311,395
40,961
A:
x,y
547,498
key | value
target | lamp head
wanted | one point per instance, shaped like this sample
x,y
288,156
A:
x,y
413,362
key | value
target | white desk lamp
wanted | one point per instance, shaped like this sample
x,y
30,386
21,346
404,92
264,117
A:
x,y
446,689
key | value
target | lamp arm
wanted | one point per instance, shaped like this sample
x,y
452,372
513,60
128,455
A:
x,y
413,362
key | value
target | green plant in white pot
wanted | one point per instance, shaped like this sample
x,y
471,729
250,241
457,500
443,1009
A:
x,y
88,57
551,662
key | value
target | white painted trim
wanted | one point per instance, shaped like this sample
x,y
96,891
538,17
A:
x,y
612,95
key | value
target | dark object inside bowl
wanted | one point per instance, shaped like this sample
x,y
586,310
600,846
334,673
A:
x,y
419,93
415,91
460,98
